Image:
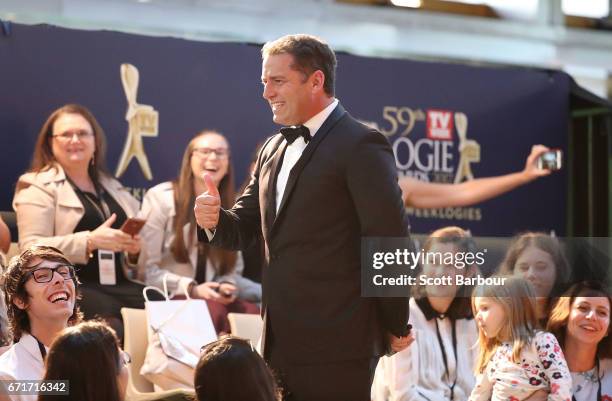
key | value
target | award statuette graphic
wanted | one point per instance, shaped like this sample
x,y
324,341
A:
x,y
469,149
142,121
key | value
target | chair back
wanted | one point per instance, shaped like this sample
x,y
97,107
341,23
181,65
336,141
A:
x,y
135,343
246,325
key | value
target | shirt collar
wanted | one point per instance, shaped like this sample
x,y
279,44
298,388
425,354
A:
x,y
318,119
30,344
454,310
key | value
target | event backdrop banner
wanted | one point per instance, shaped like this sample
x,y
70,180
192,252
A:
x,y
445,122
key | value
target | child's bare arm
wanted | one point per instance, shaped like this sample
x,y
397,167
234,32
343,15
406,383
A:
x,y
483,389
538,395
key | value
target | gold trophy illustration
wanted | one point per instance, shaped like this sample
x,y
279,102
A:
x,y
142,121
469,149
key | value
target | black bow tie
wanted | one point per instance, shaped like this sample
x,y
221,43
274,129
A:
x,y
291,133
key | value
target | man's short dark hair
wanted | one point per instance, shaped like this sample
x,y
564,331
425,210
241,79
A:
x,y
310,54
15,277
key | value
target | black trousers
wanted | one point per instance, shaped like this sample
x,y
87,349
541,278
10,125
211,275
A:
x,y
326,381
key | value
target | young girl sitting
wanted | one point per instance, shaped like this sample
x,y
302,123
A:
x,y
515,359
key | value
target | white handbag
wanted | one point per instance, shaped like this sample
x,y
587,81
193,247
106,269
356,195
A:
x,y
176,332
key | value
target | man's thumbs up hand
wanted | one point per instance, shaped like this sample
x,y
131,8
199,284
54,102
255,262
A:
x,y
211,188
208,205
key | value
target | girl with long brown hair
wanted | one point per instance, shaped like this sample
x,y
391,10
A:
x,y
538,258
438,365
173,251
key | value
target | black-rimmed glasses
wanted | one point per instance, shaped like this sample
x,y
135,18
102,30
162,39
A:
x,y
45,274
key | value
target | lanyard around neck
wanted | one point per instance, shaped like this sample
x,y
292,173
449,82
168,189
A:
x,y
101,207
41,348
444,358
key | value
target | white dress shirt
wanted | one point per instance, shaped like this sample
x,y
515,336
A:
x,y
294,151
22,361
418,373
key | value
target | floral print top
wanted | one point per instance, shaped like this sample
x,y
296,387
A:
x,y
542,366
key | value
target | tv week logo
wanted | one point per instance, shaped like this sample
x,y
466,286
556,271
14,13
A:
x,y
440,125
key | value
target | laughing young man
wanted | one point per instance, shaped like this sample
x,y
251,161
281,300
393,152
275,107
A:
x,y
41,292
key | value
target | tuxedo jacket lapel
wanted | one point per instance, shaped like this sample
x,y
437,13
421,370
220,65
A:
x,y
275,165
333,118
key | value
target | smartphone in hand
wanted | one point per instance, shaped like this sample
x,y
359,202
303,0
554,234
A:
x,y
551,160
133,225
226,293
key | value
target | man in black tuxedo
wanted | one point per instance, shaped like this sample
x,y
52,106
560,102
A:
x,y
319,187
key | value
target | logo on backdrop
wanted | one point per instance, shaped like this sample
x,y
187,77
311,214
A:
x,y
430,157
142,121
432,145
469,150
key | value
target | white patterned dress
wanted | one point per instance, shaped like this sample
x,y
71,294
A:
x,y
542,366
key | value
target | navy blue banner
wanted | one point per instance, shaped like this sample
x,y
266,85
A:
x,y
446,122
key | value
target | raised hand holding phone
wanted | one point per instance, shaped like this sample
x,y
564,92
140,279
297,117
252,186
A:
x,y
551,160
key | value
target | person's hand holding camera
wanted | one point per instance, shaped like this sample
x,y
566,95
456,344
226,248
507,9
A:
x,y
531,170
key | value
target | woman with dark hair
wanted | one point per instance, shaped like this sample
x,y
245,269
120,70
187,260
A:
x,y
173,250
539,259
580,319
231,370
438,366
41,292
89,357
68,200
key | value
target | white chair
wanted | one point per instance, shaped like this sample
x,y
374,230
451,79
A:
x,y
246,325
135,343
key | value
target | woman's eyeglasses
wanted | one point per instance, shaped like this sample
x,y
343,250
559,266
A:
x,y
45,274
68,135
221,153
